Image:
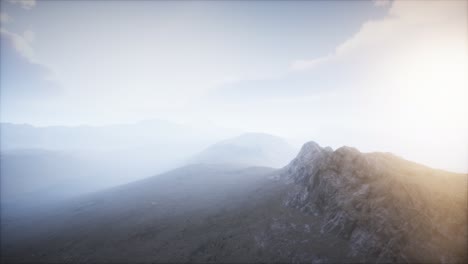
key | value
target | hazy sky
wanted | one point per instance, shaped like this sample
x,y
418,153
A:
x,y
378,75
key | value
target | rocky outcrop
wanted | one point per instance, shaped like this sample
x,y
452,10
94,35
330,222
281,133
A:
x,y
390,209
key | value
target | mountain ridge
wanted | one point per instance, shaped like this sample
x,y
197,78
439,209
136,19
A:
x,y
364,198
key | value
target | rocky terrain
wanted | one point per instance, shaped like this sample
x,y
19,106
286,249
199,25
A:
x,y
389,209
199,213
324,207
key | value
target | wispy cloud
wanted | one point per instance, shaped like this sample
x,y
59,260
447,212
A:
x,y
29,36
299,65
382,2
5,18
402,25
26,4
23,80
21,43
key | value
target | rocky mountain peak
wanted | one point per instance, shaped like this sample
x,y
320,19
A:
x,y
388,208
306,162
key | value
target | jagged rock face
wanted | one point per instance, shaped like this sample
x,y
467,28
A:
x,y
390,209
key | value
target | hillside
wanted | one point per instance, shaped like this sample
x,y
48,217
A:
x,y
324,207
249,149
43,164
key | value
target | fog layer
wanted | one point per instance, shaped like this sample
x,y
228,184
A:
x,y
43,165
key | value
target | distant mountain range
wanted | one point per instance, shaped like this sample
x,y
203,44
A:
x,y
43,164
152,132
325,206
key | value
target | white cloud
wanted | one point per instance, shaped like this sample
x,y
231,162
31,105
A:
x,y
406,22
381,2
409,79
4,17
26,4
21,43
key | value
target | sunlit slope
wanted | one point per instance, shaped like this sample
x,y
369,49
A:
x,y
389,209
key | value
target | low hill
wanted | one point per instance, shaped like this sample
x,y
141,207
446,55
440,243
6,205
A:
x,y
250,149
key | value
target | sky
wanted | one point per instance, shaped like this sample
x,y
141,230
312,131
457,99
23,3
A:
x,y
378,75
